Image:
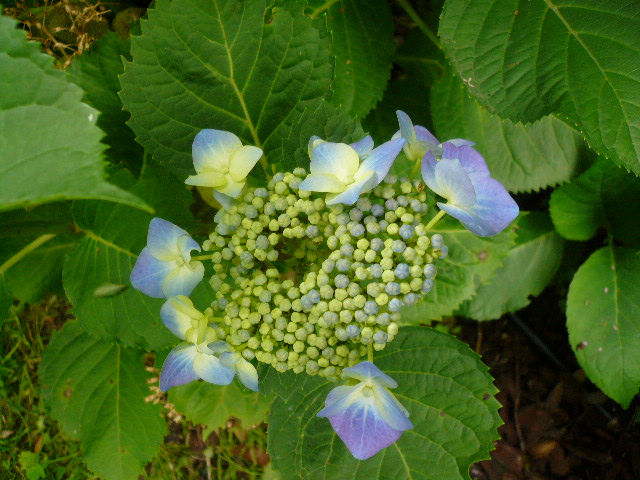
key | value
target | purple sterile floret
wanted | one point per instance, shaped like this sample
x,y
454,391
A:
x,y
366,415
480,202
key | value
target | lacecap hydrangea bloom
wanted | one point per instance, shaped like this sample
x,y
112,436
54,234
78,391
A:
x,y
311,271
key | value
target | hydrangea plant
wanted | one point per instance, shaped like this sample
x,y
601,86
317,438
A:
x,y
311,272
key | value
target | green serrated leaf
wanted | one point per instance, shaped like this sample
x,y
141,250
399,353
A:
x,y
525,59
96,72
96,390
527,270
212,405
522,157
213,64
362,44
421,64
114,236
50,147
604,196
603,319
472,261
443,384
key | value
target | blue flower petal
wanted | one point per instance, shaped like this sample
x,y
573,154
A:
x,y
209,368
363,430
461,142
339,399
424,135
149,273
162,239
225,200
469,158
453,183
212,149
363,147
182,280
406,127
178,367
381,159
493,211
178,314
366,370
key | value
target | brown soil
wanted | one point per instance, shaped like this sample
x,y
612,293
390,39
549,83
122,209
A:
x,y
557,424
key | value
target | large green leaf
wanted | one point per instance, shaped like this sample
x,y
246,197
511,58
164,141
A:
x,y
213,64
604,196
96,72
49,144
528,58
96,389
472,261
6,299
522,157
421,65
212,405
527,270
362,44
603,319
443,384
114,236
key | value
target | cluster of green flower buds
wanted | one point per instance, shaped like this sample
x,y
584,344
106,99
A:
x,y
309,287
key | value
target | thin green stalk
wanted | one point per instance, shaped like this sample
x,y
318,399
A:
x,y
325,6
419,22
41,240
435,220
370,353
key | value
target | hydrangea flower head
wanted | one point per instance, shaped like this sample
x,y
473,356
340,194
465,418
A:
x,y
365,414
196,357
346,171
419,140
480,202
222,162
164,267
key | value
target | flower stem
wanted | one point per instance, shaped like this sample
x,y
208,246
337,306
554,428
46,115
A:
x,y
42,239
435,220
202,257
370,353
419,22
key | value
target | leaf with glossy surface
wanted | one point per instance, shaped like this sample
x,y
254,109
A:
x,y
472,261
443,384
212,405
604,196
223,65
525,59
527,270
522,157
96,390
50,147
362,44
603,319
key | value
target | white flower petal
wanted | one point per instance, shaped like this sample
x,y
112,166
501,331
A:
x,y
232,189
242,161
212,149
338,159
322,182
208,178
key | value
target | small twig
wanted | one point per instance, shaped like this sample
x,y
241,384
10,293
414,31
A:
x,y
419,22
